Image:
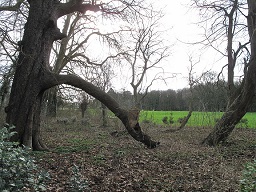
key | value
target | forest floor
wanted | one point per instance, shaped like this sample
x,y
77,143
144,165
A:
x,y
108,159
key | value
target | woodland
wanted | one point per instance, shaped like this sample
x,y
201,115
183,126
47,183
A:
x,y
47,63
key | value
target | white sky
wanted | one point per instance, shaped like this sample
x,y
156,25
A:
x,y
181,21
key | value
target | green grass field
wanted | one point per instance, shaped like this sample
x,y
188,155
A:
x,y
197,119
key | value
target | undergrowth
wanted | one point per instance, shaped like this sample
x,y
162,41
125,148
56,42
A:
x,y
17,168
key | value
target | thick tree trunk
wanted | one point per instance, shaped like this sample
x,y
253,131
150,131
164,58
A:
x,y
33,63
33,76
244,97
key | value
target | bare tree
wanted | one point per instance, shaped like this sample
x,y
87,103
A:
x,y
72,51
33,75
192,82
230,24
147,53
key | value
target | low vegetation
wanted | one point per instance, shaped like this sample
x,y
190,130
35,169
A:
x,y
17,168
248,182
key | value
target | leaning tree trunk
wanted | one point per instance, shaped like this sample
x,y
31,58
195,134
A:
x,y
243,100
33,75
129,118
231,117
185,120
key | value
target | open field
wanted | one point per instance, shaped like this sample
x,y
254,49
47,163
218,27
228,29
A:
x,y
198,119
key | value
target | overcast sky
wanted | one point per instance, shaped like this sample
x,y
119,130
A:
x,y
181,20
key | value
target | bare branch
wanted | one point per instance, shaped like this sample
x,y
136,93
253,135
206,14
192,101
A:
x,y
88,60
77,6
12,7
218,77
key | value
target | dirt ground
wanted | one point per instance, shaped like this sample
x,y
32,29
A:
x,y
108,159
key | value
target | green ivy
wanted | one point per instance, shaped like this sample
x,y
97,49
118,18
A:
x,y
77,183
248,182
17,168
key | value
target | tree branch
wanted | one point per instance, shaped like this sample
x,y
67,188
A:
x,y
12,8
129,118
88,60
77,5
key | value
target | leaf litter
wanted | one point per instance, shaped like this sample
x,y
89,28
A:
x,y
115,162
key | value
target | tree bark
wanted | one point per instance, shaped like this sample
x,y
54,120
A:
x,y
33,62
37,142
33,76
243,98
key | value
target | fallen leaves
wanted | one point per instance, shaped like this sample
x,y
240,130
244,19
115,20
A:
x,y
118,163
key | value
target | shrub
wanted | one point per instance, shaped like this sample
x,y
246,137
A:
x,y
165,120
248,182
17,168
171,121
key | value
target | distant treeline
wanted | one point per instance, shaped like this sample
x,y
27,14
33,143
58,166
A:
x,y
205,97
